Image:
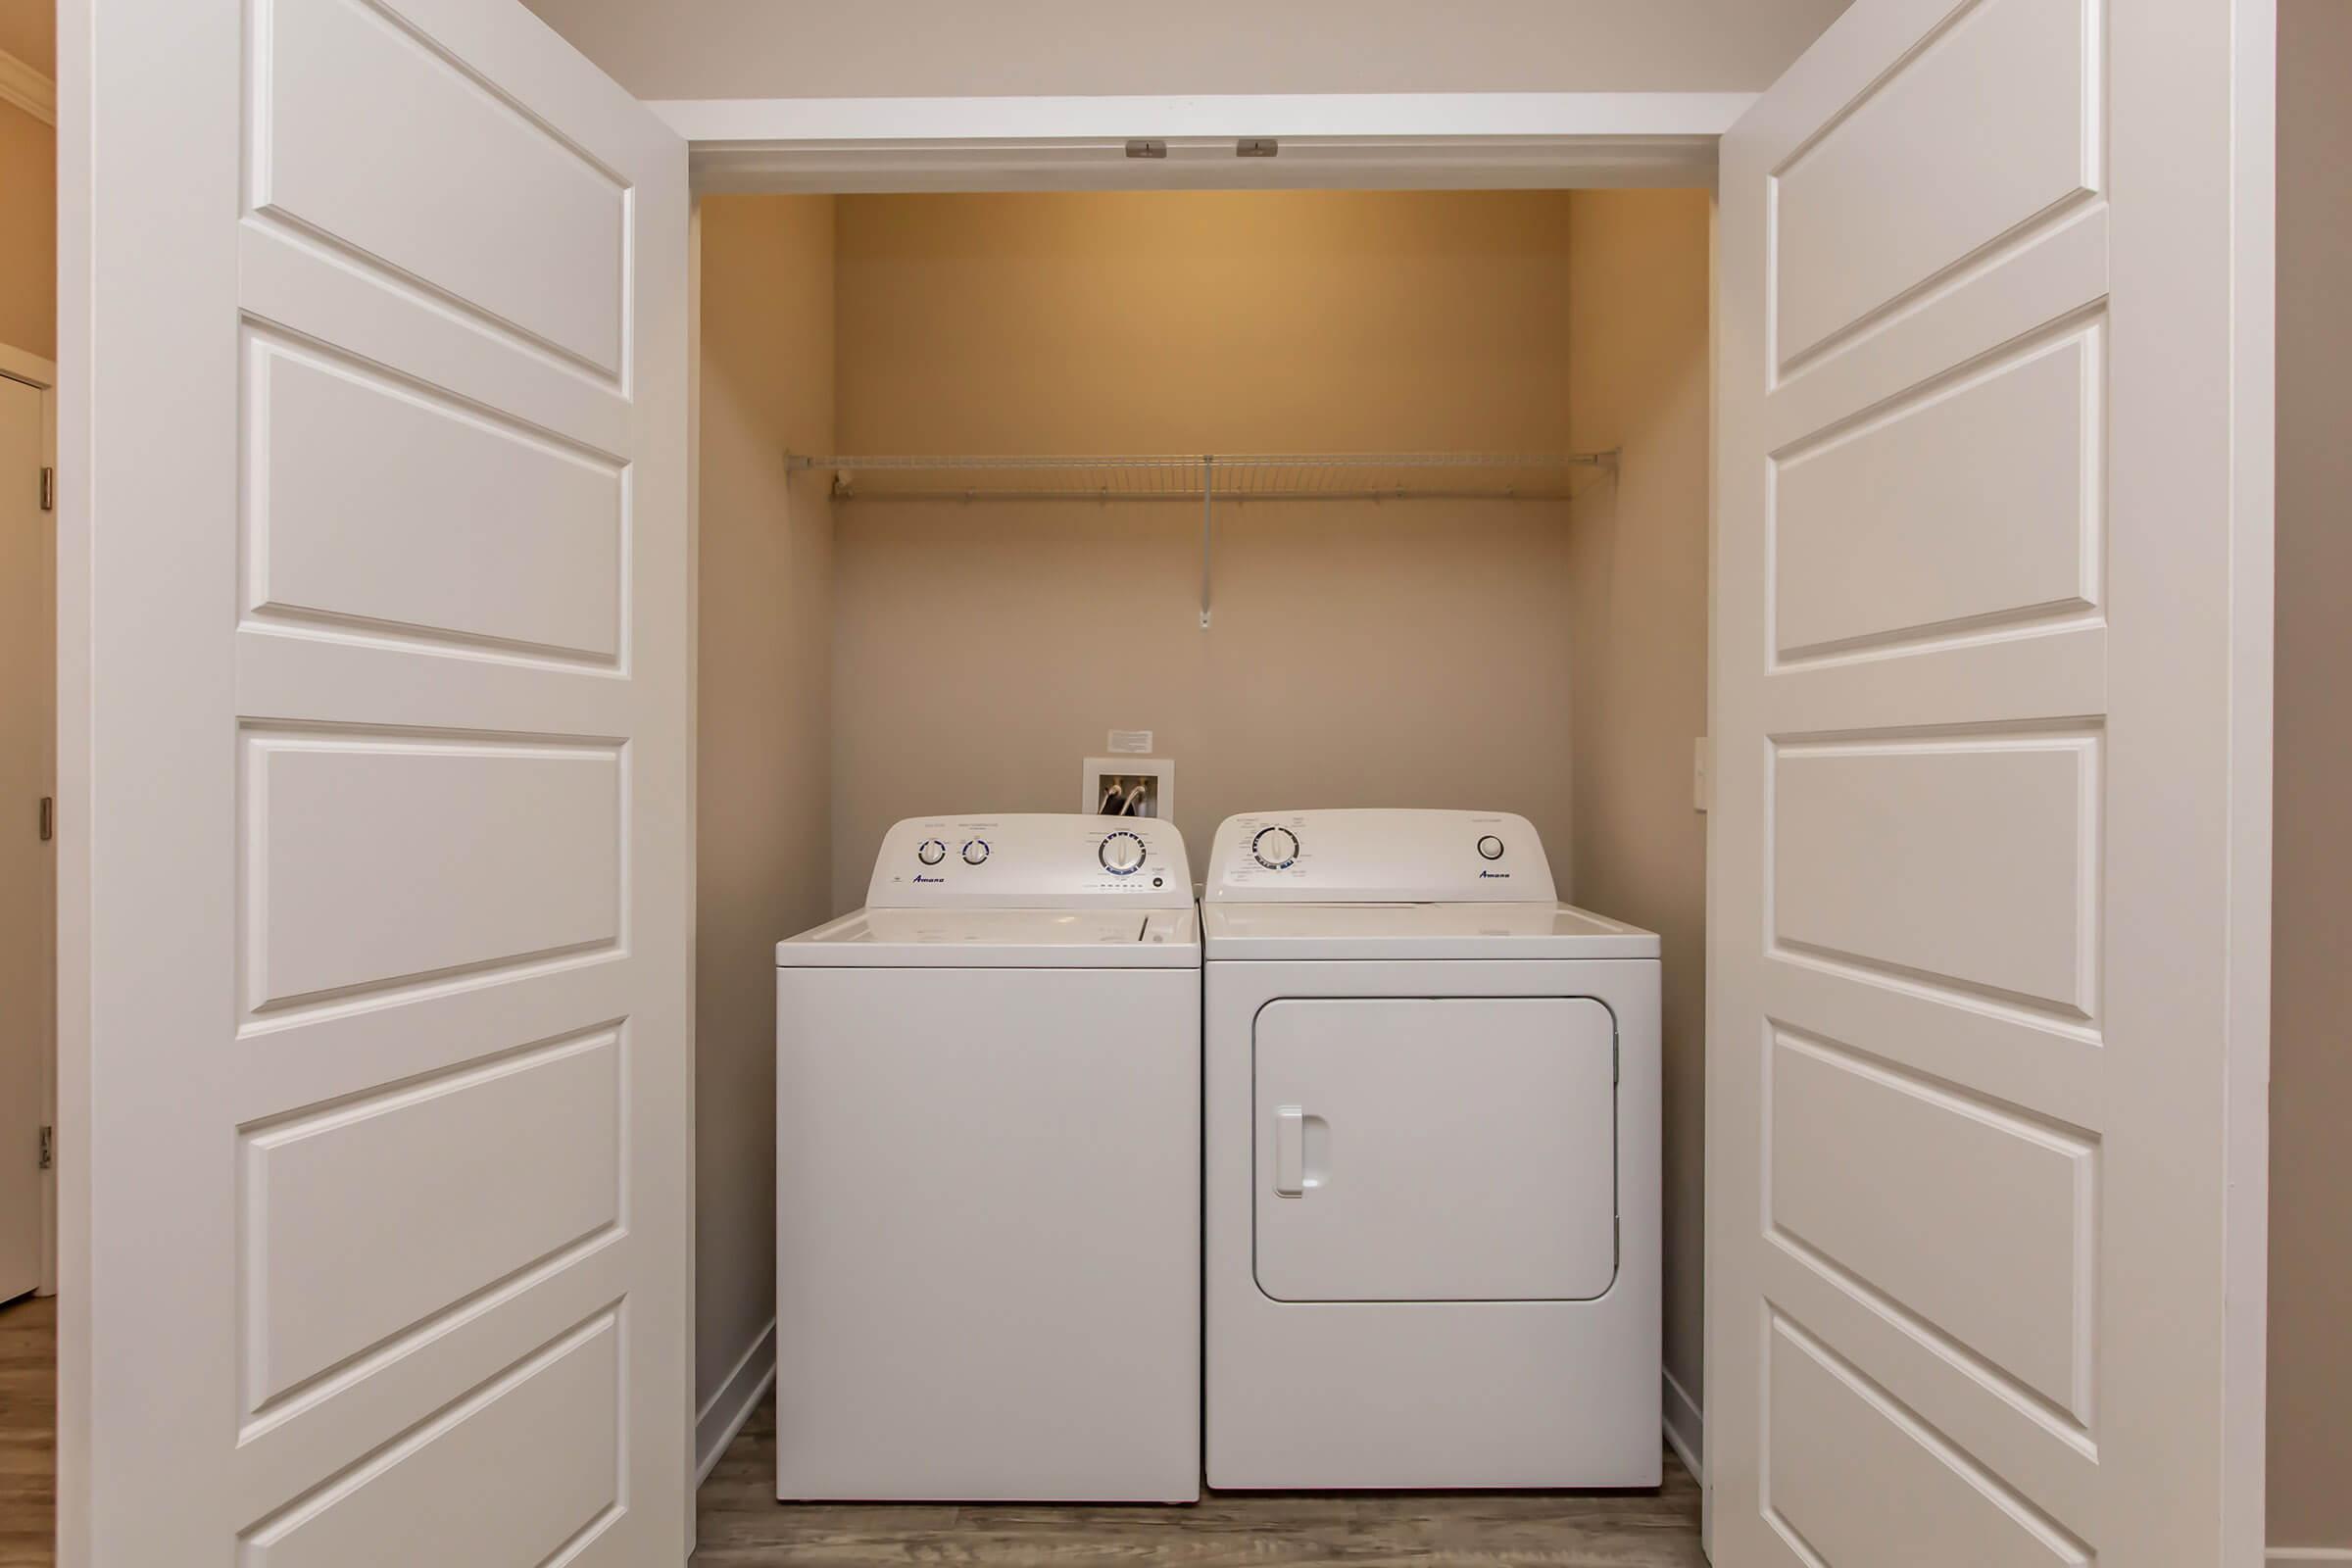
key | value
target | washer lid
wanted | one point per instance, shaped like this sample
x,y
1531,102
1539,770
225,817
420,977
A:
x,y
1298,931
1002,938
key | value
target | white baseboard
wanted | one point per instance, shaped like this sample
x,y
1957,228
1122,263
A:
x,y
1686,1428
2308,1554
738,1395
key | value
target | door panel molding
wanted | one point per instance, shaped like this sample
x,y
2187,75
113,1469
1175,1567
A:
x,y
1987,980
377,793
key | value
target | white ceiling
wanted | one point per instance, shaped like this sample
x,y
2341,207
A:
x,y
952,48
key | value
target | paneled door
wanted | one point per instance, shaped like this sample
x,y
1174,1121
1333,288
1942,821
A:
x,y
376,853
26,722
1988,1013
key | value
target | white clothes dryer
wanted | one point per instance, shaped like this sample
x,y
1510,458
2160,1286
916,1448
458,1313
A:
x,y
988,1165
1432,1146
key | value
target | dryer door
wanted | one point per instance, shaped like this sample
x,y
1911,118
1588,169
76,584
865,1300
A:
x,y
1432,1150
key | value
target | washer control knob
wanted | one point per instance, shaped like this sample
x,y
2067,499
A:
x,y
1123,854
1274,848
932,851
975,850
1491,848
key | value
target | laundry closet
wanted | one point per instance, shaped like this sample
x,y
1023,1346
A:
x,y
535,572
1453,553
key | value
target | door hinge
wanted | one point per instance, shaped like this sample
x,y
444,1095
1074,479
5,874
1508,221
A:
x,y
48,489
48,818
48,1146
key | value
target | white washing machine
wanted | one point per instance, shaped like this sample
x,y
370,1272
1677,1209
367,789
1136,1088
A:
x,y
987,1166
1431,1180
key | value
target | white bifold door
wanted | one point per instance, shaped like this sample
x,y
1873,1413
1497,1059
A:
x,y
375,855
1988,939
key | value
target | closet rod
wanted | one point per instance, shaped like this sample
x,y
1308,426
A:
x,y
1192,493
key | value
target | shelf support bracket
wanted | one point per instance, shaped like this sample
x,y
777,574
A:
x,y
1208,528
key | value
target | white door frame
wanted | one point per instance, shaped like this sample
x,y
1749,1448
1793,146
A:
x,y
1420,141
32,370
1558,140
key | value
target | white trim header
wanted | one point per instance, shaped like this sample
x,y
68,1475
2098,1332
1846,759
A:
x,y
1332,140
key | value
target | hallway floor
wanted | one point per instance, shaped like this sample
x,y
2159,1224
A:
x,y
28,1431
743,1525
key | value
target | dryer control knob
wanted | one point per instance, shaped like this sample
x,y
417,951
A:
x,y
1274,848
1123,854
932,851
1491,848
975,850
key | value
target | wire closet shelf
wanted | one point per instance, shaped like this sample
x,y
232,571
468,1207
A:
x,y
1212,479
1194,476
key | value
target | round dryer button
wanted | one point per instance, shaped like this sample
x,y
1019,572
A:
x,y
932,851
1491,848
975,850
1123,854
1274,848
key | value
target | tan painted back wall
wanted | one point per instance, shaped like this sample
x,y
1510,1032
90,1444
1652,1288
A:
x,y
1362,655
2310,1037
1639,299
764,689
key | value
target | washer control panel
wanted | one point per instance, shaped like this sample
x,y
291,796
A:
x,y
1123,852
1031,861
1380,857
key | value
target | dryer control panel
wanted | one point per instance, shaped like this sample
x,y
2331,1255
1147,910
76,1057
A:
x,y
1379,857
1031,861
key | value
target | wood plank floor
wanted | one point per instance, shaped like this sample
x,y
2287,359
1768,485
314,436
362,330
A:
x,y
28,1431
742,1524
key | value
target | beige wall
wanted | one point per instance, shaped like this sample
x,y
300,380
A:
x,y
1392,655
920,48
765,575
1638,295
2310,1036
28,233
28,30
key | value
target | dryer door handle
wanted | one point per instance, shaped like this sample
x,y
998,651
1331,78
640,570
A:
x,y
1290,1151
